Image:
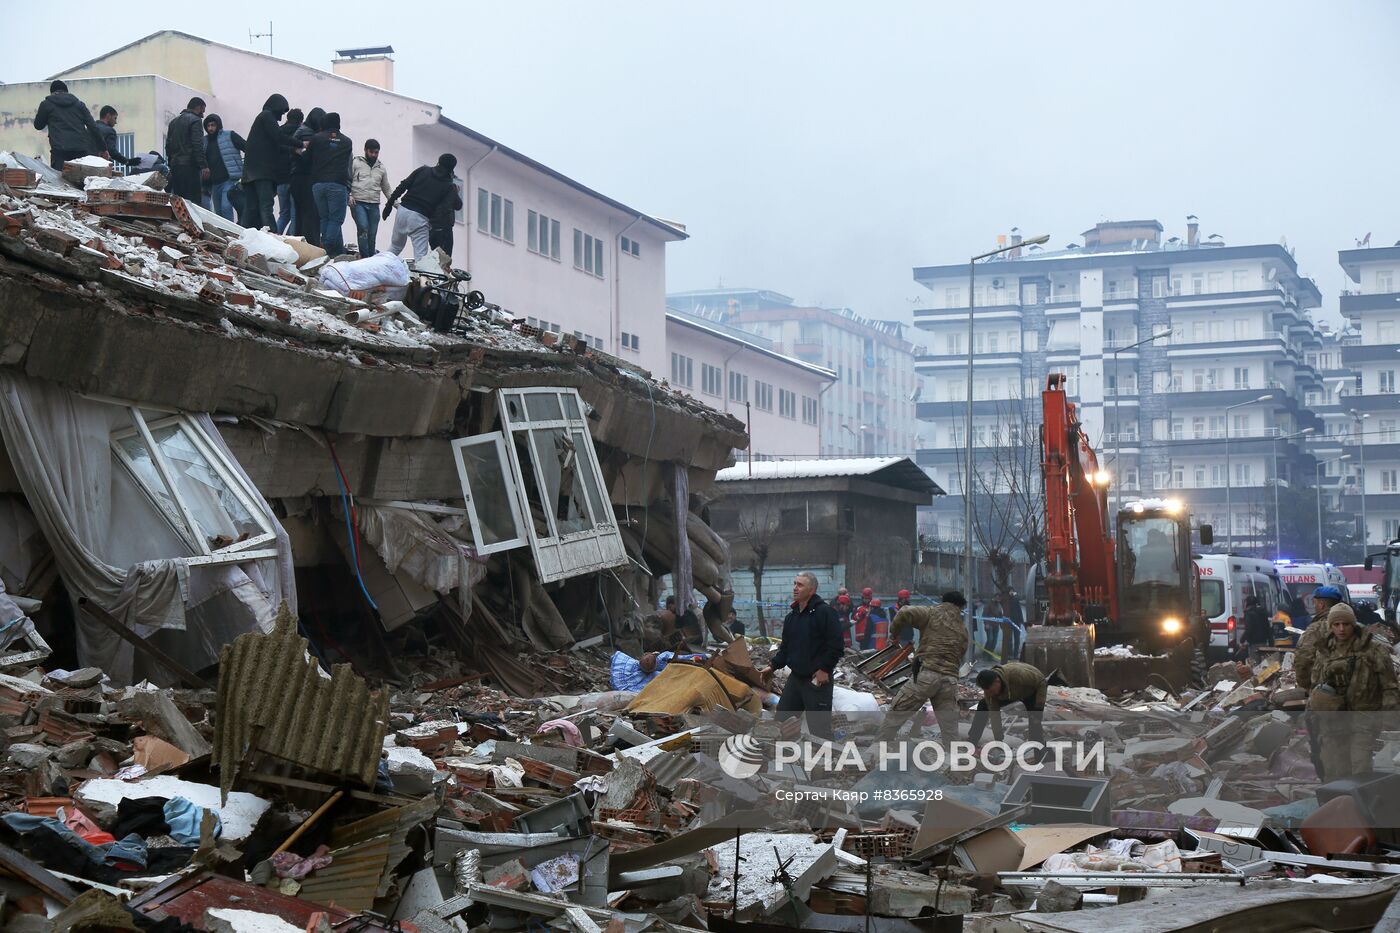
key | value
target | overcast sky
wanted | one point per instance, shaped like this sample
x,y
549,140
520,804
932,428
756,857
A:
x,y
823,149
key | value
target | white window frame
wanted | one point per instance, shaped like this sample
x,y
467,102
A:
x,y
557,555
498,442
239,552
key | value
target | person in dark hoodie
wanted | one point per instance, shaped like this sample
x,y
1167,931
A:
x,y
424,191
223,151
107,138
72,130
306,223
265,158
184,150
286,207
330,153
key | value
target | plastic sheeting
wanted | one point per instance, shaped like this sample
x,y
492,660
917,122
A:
x,y
113,545
415,544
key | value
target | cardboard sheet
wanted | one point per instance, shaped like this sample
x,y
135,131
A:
x,y
1041,842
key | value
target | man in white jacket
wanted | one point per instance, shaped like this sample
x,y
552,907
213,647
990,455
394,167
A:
x,y
368,177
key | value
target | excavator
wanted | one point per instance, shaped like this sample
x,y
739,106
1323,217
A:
x,y
1138,587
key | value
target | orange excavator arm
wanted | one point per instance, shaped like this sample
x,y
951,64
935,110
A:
x,y
1080,565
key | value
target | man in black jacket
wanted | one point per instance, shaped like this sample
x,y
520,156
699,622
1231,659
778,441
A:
x,y
72,131
184,151
1258,629
265,157
107,138
424,192
330,153
286,207
306,222
810,648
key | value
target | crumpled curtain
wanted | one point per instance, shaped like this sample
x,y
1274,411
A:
x,y
111,544
416,544
682,575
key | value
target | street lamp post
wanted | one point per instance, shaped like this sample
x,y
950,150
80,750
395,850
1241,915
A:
x,y
1229,514
1317,487
967,469
1278,535
1117,425
1361,442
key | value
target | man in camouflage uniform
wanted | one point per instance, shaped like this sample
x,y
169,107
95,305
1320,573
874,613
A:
x,y
1353,677
1304,657
1012,682
942,643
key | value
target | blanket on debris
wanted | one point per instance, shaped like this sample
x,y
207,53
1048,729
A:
x,y
685,688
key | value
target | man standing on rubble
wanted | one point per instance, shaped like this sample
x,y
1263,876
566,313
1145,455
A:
x,y
107,138
368,177
810,648
1011,682
1354,681
1324,598
1258,630
185,152
266,158
423,192
331,152
70,125
937,659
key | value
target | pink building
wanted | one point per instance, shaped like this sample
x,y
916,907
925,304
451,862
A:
x,y
735,371
541,245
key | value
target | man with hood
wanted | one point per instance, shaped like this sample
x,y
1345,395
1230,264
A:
x,y
266,155
286,207
70,125
184,150
306,220
223,151
423,192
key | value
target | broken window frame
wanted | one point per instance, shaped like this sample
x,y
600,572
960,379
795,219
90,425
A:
x,y
188,528
558,555
498,440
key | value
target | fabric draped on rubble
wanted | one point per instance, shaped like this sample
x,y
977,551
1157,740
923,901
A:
x,y
683,688
416,544
112,544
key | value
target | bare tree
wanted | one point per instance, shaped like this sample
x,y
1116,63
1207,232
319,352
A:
x,y
1009,495
758,525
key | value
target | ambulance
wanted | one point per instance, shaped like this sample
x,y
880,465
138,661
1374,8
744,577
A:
x,y
1302,577
1227,580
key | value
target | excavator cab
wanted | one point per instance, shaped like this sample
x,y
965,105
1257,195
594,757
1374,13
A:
x,y
1158,591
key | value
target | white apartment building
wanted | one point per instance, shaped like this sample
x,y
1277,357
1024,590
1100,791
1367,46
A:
x,y
1372,410
870,410
543,246
1220,395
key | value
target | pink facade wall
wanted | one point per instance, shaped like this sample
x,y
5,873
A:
x,y
772,435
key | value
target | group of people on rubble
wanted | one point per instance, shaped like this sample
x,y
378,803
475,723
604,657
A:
x,y
1345,666
294,173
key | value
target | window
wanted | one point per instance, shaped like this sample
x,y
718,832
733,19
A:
x,y
1178,477
542,235
787,403
1198,283
1130,476
1392,529
1244,474
682,371
1176,285
1385,332
952,297
711,379
1030,341
1242,377
1217,475
588,253
1215,282
1241,328
1159,287
1390,480
631,342
809,410
1198,427
763,395
1387,430
1199,478
1385,278
738,387
631,247
1178,429
552,476
1240,279
495,215
219,516
1386,381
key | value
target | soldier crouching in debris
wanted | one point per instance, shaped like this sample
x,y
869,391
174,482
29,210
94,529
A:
x,y
1352,679
1012,682
937,660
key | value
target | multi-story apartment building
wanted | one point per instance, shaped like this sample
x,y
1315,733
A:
x,y
1372,307
1220,394
776,396
1334,472
540,244
869,411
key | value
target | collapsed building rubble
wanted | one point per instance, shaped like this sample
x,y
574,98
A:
x,y
309,610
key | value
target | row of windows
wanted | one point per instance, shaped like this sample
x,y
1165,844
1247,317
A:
x,y
542,235
712,383
631,342
495,217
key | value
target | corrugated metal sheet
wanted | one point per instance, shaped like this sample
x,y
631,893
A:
x,y
273,696
363,857
893,471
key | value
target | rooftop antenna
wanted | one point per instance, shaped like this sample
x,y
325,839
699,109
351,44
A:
x,y
255,36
